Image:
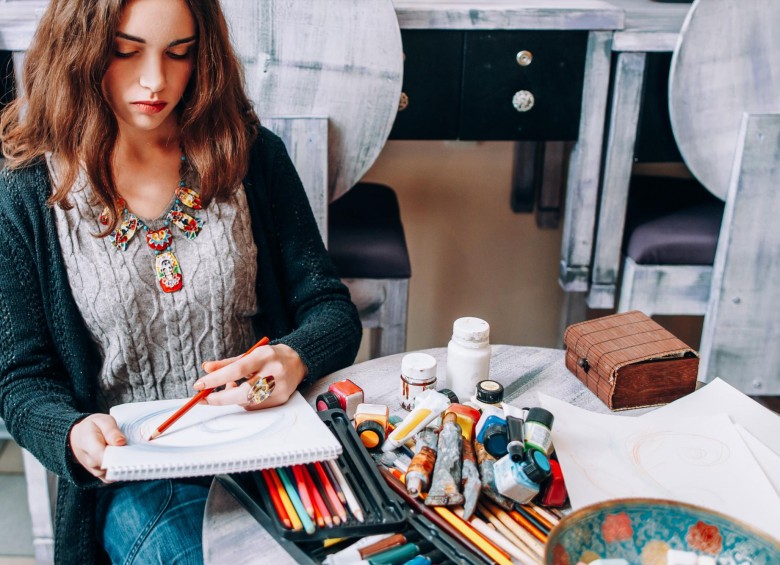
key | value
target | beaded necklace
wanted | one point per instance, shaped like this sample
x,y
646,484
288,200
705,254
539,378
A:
x,y
166,265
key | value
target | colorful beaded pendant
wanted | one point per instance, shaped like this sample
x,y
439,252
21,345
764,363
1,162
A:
x,y
166,265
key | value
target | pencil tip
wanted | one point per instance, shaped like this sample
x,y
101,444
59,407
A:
x,y
154,435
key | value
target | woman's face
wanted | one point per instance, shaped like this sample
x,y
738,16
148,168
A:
x,y
151,65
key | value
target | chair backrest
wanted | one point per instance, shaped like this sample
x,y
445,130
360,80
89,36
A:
x,y
725,65
342,60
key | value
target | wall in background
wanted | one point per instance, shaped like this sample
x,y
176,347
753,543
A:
x,y
471,255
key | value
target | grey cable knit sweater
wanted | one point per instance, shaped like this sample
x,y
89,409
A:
x,y
49,364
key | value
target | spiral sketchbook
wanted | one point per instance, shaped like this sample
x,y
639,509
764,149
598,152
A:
x,y
211,440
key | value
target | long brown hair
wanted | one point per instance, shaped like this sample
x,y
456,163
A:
x,y
64,109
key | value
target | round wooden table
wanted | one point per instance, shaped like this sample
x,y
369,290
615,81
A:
x,y
232,535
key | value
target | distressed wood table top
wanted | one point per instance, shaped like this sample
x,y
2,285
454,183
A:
x,y
232,535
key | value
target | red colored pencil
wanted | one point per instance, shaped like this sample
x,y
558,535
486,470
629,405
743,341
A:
x,y
334,481
197,398
319,503
324,494
276,500
334,499
303,490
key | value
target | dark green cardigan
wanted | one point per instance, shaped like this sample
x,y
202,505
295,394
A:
x,y
49,364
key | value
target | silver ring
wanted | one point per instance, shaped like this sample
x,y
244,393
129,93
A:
x,y
260,390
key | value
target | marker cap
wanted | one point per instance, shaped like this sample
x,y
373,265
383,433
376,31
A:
x,y
327,401
536,466
371,433
490,392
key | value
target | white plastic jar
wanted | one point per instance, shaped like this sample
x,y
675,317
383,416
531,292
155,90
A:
x,y
468,356
418,373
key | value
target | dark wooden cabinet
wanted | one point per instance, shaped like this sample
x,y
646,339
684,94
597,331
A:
x,y
461,85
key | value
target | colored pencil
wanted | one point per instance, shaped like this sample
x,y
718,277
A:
x,y
312,468
197,398
497,539
497,555
352,502
297,525
497,525
528,525
531,518
308,525
399,488
276,500
319,504
303,489
334,482
519,532
334,499
551,518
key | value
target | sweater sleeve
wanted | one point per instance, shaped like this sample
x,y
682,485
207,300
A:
x,y
327,329
36,399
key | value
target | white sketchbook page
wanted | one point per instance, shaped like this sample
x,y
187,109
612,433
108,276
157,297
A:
x,y
701,461
768,460
719,396
212,435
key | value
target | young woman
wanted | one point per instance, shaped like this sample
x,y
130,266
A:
x,y
152,231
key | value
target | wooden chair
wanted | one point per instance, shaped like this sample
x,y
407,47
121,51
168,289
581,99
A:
x,y
310,60
708,257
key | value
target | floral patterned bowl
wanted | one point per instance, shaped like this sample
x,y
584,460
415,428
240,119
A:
x,y
642,530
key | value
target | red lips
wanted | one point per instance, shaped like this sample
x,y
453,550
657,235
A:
x,y
149,106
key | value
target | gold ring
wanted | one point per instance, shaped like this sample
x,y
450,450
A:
x,y
260,390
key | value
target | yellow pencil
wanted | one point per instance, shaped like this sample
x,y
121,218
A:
x,y
519,532
485,546
297,525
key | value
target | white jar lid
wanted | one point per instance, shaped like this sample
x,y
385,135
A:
x,y
471,329
418,367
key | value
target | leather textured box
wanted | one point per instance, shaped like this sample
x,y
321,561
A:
x,y
630,361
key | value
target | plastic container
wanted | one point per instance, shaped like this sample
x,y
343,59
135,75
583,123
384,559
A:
x,y
468,356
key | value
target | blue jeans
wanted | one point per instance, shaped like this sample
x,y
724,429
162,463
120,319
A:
x,y
153,521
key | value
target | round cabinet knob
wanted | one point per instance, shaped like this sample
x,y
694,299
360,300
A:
x,y
523,100
524,58
403,102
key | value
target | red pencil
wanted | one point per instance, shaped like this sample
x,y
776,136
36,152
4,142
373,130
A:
x,y
303,490
319,503
334,499
276,500
197,398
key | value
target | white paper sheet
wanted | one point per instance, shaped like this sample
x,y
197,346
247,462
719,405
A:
x,y
768,460
701,461
719,396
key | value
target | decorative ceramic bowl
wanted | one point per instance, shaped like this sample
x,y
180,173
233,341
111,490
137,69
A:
x,y
642,530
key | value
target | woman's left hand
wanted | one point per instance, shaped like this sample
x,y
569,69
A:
x,y
280,361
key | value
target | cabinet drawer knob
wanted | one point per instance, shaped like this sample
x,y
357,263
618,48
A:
x,y
523,100
403,102
524,58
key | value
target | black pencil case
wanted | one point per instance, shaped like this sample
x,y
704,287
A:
x,y
384,511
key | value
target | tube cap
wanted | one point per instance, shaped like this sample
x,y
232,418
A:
x,y
495,440
450,394
540,415
490,392
327,401
536,466
371,433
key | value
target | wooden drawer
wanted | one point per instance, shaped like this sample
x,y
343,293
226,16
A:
x,y
433,61
492,76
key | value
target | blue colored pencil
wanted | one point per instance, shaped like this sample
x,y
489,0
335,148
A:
x,y
308,525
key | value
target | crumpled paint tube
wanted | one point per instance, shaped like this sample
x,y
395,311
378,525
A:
x,y
486,462
445,488
471,482
418,476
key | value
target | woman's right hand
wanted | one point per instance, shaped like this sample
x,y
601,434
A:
x,y
88,441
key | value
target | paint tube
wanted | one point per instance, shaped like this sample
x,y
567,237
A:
x,y
447,473
486,462
427,406
418,476
471,482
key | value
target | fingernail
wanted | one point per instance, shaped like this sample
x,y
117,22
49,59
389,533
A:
x,y
203,365
198,385
119,440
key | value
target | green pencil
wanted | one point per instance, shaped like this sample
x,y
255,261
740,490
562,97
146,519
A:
x,y
308,525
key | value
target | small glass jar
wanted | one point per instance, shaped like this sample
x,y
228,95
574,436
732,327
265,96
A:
x,y
468,356
418,373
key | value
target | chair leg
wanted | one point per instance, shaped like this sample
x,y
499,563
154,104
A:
x,y
392,314
40,498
